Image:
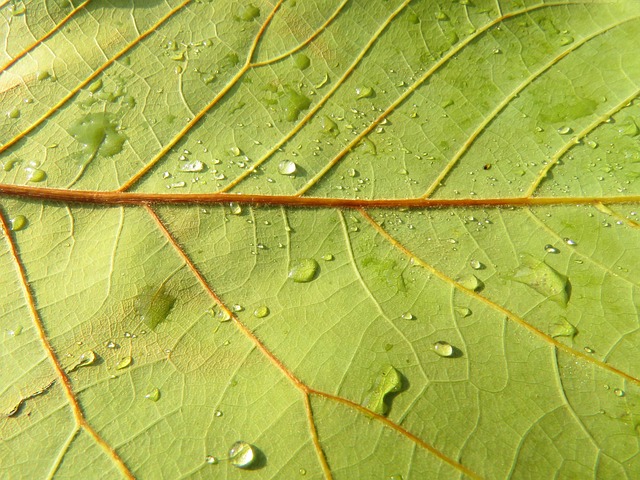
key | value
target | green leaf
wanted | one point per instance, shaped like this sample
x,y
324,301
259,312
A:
x,y
319,239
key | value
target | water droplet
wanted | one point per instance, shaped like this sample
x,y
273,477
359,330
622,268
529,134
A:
x,y
565,130
261,312
302,471
287,167
17,223
153,395
236,208
388,381
195,166
566,40
42,75
211,460
304,270
249,13
293,103
218,413
13,113
408,316
476,265
589,350
301,61
35,174
395,477
329,126
328,257
17,8
440,15
628,127
593,144
14,332
124,363
543,279
470,282
443,349
153,305
618,392
242,454
364,92
551,249
570,242
562,328
463,311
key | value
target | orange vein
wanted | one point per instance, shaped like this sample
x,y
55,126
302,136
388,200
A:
x,y
402,431
64,379
503,104
358,138
316,440
142,198
307,41
511,316
196,119
320,103
576,140
90,78
44,37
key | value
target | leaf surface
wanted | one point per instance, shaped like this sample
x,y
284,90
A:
x,y
388,239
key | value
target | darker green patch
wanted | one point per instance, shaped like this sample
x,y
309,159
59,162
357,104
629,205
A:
x,y
153,305
293,103
569,109
98,132
248,13
386,271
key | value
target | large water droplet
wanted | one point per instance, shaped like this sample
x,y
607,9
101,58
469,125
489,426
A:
x,y
287,167
304,270
153,395
261,312
84,360
153,305
35,174
294,103
562,328
543,279
388,381
18,222
364,92
124,363
443,349
476,265
471,282
551,249
242,454
408,316
329,126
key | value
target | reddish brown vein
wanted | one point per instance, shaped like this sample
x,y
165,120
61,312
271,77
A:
x,y
90,78
140,198
510,315
59,370
46,36
316,440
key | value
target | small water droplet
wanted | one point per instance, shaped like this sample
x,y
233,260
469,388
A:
x,y
618,392
589,350
14,113
570,242
218,413
387,381
328,257
364,92
236,208
302,471
242,454
17,223
301,61
195,166
463,311
562,328
476,265
551,249
153,395
443,349
211,460
261,311
287,167
14,332
566,40
111,344
124,363
471,282
304,270
408,316
593,144
565,130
